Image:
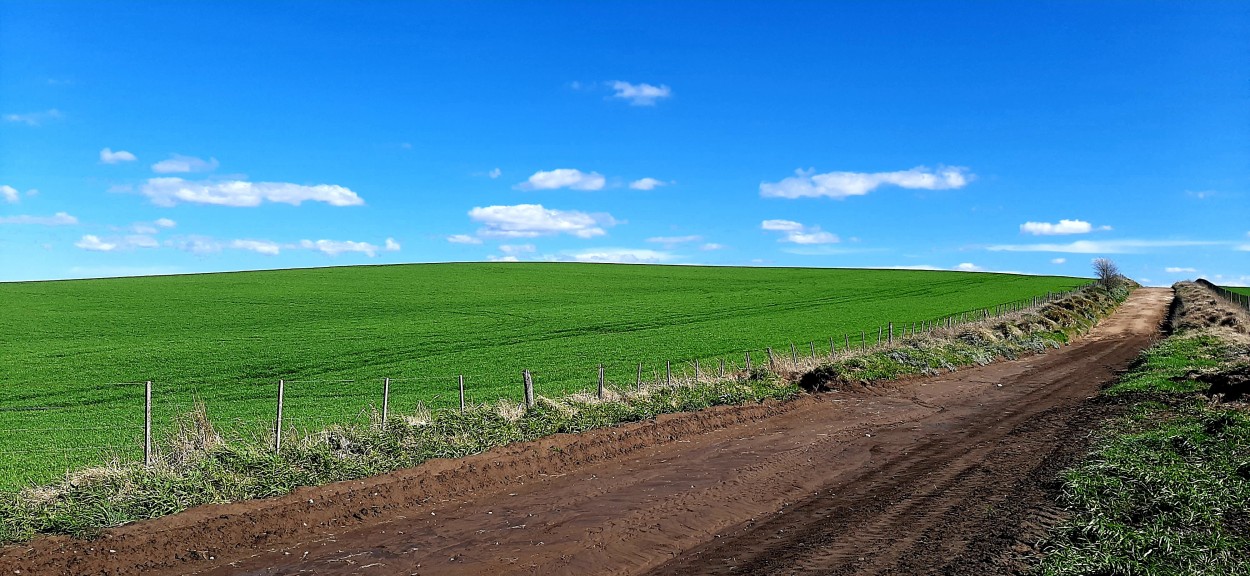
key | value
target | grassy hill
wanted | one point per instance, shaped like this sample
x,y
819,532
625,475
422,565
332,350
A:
x,y
76,352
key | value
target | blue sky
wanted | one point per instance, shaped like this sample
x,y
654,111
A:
x,y
155,138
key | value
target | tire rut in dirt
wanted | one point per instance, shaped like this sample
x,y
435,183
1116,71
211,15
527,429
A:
x,y
973,502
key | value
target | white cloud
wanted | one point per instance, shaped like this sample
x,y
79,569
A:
x,y
712,246
563,178
170,191
532,220
797,233
495,173
58,219
1058,260
781,225
647,184
108,156
10,194
1101,247
670,241
807,184
34,118
1062,227
969,267
93,243
336,247
165,223
517,248
196,244
391,245
463,239
640,94
258,246
178,163
1178,270
493,258
620,256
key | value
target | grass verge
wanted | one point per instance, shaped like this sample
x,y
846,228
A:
x,y
1167,489
199,464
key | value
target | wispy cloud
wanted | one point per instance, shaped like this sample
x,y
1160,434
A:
x,y
170,191
671,241
336,247
563,178
58,219
94,243
1058,260
494,173
108,156
710,246
34,118
640,94
10,194
969,267
797,233
532,220
463,239
517,248
1060,228
1179,270
178,163
620,255
258,246
647,184
1102,247
808,184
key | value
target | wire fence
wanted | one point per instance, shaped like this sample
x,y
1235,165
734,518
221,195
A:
x,y
44,437
1236,298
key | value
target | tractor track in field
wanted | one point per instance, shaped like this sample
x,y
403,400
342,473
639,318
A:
x,y
945,475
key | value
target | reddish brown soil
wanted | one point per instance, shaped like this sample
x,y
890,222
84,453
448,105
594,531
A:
x,y
947,475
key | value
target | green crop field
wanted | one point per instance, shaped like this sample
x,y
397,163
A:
x,y
1239,289
77,352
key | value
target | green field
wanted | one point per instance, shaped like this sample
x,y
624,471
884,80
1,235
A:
x,y
1239,289
76,352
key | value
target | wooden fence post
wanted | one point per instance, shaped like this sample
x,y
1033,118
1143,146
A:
x,y
601,381
638,382
668,372
461,379
721,373
696,369
386,400
863,341
147,423
772,364
277,426
813,345
891,336
794,354
748,362
529,389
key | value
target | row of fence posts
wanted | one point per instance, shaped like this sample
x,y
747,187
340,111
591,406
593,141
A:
x,y
883,332
1242,300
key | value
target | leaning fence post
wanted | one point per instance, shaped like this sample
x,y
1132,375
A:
x,y
794,354
601,381
386,400
748,361
771,363
638,382
462,392
529,389
147,423
277,426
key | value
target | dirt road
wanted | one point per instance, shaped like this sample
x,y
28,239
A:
x,y
942,475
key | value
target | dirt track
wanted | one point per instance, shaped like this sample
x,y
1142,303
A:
x,y
943,475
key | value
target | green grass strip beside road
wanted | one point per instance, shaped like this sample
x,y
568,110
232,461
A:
x,y
1167,490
